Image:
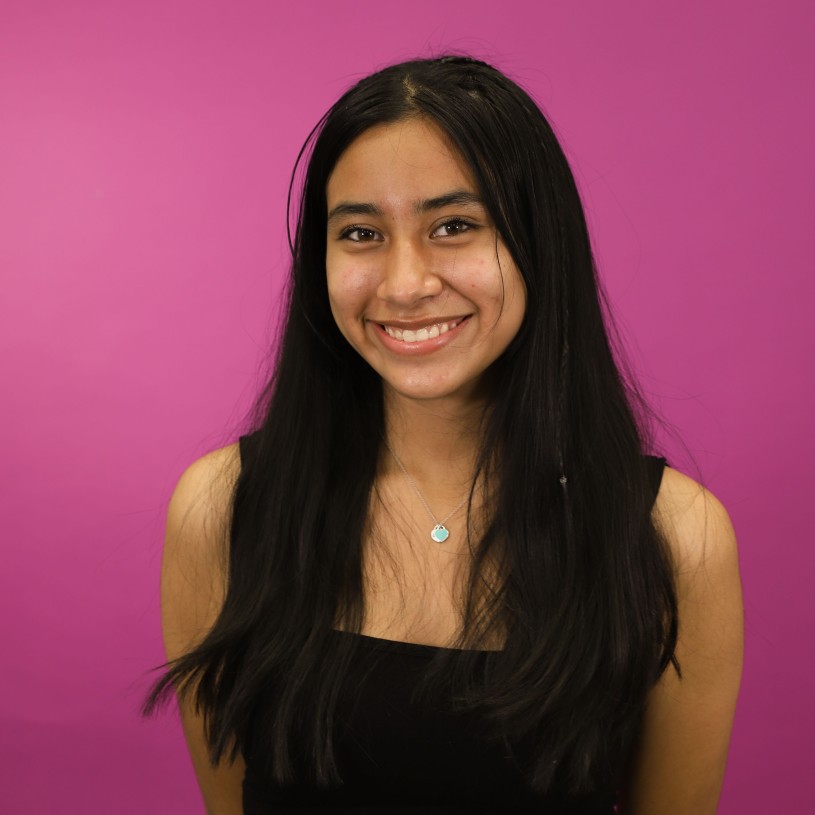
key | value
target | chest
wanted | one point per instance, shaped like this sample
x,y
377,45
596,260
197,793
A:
x,y
414,587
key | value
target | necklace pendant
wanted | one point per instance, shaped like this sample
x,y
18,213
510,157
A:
x,y
440,533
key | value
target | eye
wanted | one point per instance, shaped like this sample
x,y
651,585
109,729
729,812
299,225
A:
x,y
452,228
359,234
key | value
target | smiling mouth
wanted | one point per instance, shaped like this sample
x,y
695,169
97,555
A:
x,y
427,332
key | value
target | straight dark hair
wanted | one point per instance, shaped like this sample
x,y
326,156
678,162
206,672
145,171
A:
x,y
584,594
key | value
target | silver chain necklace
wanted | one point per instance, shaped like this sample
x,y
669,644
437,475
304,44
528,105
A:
x,y
440,533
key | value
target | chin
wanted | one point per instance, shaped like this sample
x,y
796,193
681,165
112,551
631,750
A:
x,y
430,391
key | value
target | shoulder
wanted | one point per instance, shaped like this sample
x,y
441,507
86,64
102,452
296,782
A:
x,y
704,552
696,526
196,546
202,496
193,587
680,761
212,472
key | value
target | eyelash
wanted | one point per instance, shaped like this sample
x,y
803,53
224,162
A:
x,y
349,230
457,222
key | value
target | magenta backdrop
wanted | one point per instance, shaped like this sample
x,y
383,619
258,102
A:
x,y
145,150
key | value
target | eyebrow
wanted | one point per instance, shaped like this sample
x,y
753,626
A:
x,y
457,197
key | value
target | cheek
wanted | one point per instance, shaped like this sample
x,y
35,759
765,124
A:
x,y
514,287
515,306
516,295
486,285
348,292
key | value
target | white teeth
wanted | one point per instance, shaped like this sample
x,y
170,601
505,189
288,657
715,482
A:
x,y
422,334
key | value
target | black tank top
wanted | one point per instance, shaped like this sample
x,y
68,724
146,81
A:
x,y
397,757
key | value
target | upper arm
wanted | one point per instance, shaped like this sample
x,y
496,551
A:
x,y
679,764
193,586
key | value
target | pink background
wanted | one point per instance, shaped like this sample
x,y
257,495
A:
x,y
145,150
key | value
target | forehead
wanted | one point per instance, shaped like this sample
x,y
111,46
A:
x,y
397,164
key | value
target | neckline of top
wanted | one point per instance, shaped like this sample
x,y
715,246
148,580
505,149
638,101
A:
x,y
407,647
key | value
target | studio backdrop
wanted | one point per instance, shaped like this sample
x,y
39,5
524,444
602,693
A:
x,y
145,155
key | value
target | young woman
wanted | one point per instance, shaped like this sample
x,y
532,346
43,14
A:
x,y
444,572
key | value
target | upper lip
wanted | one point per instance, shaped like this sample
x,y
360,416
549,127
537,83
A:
x,y
415,325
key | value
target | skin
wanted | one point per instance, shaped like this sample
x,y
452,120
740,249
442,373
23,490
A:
x,y
680,762
193,588
417,256
394,261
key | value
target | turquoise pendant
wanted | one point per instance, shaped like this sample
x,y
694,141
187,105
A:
x,y
440,533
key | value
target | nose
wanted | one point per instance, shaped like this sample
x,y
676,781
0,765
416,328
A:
x,y
407,276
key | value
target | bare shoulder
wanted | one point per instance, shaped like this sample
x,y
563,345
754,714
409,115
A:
x,y
696,526
193,588
199,510
681,757
196,545
202,496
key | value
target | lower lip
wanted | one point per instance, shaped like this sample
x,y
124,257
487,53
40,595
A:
x,y
412,349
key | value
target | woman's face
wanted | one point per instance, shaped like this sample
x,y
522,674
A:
x,y
419,282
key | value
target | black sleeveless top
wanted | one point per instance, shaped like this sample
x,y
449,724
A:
x,y
397,757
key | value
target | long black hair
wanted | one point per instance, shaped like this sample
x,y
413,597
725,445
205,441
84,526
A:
x,y
584,593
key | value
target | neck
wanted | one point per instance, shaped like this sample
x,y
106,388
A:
x,y
437,441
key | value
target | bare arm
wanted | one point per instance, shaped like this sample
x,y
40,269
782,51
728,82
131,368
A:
x,y
680,762
192,593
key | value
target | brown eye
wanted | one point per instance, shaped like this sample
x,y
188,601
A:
x,y
450,229
359,234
